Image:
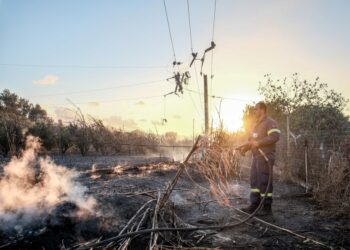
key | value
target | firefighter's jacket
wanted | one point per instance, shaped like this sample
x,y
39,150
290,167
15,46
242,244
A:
x,y
266,133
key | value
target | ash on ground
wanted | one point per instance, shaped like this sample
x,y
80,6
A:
x,y
122,186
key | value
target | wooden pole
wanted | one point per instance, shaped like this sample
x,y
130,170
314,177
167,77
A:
x,y
306,167
206,114
288,137
289,170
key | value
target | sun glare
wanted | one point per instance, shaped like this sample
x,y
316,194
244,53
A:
x,y
231,114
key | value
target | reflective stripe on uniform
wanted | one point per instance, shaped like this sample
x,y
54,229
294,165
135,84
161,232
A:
x,y
267,195
274,130
255,190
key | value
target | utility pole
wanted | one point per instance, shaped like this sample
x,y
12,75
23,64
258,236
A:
x,y
206,115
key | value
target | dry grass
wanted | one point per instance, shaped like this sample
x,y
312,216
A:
x,y
218,166
333,185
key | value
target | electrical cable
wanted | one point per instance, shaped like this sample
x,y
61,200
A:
x,y
115,100
169,29
212,52
194,104
221,97
99,89
197,82
191,42
189,24
81,66
214,18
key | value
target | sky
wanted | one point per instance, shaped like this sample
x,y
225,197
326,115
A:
x,y
112,58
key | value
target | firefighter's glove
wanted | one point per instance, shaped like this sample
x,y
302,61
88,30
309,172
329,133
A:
x,y
254,144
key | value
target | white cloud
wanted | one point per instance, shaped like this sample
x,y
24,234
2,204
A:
x,y
47,80
119,122
64,114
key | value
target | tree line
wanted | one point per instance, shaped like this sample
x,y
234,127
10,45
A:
x,y
86,134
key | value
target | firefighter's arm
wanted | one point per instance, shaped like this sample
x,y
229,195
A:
x,y
273,136
244,148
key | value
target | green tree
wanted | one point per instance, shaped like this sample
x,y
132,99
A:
x,y
309,105
14,121
64,138
18,118
46,131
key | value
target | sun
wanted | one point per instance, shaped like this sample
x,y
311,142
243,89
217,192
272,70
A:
x,y
231,113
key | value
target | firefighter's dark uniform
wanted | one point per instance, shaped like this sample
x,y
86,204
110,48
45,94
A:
x,y
266,134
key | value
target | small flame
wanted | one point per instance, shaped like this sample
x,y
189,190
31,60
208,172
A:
x,y
95,176
93,168
118,169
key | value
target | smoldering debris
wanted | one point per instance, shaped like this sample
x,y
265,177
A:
x,y
145,197
31,187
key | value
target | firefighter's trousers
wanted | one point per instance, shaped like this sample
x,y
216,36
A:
x,y
259,178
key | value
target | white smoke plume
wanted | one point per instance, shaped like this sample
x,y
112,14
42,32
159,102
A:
x,y
32,186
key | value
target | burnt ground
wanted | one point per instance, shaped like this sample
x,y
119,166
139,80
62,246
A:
x,y
119,197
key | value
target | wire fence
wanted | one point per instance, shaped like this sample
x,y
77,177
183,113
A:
x,y
313,156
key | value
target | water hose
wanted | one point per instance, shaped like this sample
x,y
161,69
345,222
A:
x,y
189,229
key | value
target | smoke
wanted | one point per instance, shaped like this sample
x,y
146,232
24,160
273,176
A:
x,y
31,187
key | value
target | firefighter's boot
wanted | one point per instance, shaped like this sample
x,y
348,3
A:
x,y
266,210
250,209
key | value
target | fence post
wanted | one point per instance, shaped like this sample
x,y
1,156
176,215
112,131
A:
x,y
206,113
288,147
288,137
306,165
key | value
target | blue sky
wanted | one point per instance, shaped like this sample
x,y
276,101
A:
x,y
52,42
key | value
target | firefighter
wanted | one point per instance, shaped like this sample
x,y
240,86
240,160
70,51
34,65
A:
x,y
265,135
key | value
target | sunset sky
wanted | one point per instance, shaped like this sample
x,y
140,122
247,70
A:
x,y
112,58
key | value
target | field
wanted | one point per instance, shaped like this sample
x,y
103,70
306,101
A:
x,y
121,191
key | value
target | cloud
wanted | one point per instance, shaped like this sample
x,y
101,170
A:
x,y
140,103
176,116
143,120
64,114
47,80
119,122
94,104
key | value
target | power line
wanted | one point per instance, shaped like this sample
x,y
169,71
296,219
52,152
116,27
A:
x,y
82,66
213,31
194,104
189,24
116,100
191,42
170,35
99,89
197,82
222,97
212,52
